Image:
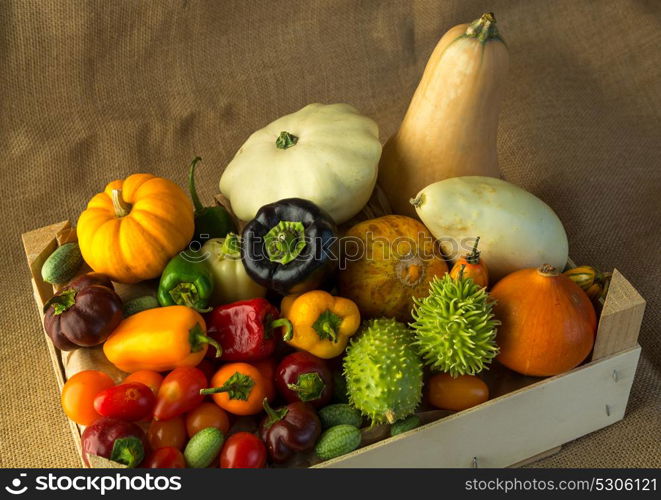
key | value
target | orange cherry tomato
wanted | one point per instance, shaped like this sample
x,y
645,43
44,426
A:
x,y
267,368
207,415
238,388
167,433
458,393
150,378
79,392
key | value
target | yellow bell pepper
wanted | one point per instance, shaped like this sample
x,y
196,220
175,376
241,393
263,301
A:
x,y
321,324
159,339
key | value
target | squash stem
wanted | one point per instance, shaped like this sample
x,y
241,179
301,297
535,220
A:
x,y
417,201
285,140
122,209
484,29
547,270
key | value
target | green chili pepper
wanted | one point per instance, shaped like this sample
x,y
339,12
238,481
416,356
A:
x,y
210,222
187,280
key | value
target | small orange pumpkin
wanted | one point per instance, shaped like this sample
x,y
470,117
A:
x,y
471,266
548,322
385,263
131,230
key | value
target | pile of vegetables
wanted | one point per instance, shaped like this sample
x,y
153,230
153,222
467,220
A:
x,y
283,342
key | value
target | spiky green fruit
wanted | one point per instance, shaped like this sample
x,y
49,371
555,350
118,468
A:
x,y
383,371
455,327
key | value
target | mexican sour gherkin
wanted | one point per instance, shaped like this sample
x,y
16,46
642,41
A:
x,y
383,371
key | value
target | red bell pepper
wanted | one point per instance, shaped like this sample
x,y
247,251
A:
x,y
247,330
179,392
288,430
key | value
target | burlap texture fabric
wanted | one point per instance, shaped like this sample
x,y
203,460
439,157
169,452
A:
x,y
91,91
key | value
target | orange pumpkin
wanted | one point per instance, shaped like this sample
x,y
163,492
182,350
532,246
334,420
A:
x,y
548,322
471,266
386,262
132,229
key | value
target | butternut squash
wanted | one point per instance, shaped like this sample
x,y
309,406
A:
x,y
450,127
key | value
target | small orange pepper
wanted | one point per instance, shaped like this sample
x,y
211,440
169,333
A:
x,y
159,339
238,388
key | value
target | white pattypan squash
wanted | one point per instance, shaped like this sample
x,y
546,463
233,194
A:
x,y
327,154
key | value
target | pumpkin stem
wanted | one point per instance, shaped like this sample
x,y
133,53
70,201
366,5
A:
x,y
547,270
285,140
191,185
484,29
122,209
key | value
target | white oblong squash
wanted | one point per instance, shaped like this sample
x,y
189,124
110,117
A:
x,y
328,154
517,230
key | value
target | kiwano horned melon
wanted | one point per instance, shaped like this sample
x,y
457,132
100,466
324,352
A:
x,y
383,371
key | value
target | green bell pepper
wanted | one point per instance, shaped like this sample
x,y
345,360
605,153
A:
x,y
210,222
187,280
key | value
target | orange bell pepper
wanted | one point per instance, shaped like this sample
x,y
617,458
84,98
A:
x,y
238,388
159,339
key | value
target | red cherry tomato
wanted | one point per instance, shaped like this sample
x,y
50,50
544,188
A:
x,y
179,392
165,458
243,451
132,401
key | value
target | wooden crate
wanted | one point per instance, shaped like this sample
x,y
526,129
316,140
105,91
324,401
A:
x,y
527,419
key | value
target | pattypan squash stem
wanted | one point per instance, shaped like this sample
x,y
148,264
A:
x,y
285,140
122,209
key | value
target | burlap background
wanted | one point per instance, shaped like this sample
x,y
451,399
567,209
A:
x,y
94,90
